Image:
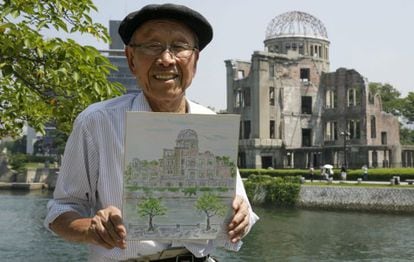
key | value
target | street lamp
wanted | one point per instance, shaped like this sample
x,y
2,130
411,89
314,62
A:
x,y
345,134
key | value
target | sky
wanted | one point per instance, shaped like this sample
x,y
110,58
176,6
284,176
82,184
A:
x,y
374,37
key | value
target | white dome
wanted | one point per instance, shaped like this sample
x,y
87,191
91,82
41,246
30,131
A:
x,y
296,23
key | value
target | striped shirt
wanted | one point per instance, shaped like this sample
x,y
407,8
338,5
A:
x,y
90,177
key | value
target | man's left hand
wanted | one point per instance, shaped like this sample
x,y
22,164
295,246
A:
x,y
240,222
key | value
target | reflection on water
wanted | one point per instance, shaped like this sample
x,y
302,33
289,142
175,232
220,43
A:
x,y
309,235
22,235
280,235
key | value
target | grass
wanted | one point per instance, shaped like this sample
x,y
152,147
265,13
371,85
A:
x,y
32,165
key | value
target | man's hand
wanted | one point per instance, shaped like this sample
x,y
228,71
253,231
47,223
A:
x,y
240,222
107,229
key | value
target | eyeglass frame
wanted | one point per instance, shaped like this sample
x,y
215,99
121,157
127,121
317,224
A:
x,y
144,47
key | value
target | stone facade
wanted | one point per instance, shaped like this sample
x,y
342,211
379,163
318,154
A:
x,y
295,113
357,198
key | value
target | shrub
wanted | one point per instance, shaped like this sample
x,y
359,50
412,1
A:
x,y
374,174
279,191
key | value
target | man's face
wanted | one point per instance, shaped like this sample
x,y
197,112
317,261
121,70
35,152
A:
x,y
163,77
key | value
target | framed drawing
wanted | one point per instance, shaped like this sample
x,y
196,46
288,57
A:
x,y
179,175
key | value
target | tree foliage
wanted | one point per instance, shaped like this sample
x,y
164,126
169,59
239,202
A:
x,y
49,80
151,207
210,205
407,109
390,97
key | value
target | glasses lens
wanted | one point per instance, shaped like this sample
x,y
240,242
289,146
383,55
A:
x,y
179,50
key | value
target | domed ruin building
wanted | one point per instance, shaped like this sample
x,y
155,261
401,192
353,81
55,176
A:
x,y
295,113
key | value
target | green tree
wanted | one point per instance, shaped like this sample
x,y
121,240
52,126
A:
x,y
406,136
151,207
390,97
49,80
17,146
211,206
407,109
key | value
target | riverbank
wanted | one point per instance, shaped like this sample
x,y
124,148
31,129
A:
x,y
22,186
377,199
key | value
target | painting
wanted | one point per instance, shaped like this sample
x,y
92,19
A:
x,y
179,175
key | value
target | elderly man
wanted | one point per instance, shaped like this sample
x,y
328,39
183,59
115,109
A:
x,y
163,43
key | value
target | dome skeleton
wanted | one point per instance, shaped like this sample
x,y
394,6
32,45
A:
x,y
296,23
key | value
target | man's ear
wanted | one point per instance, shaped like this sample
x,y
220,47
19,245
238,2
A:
x,y
129,53
197,55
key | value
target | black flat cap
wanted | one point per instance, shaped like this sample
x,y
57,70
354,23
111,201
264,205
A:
x,y
191,18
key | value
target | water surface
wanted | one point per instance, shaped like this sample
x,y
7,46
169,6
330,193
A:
x,y
280,235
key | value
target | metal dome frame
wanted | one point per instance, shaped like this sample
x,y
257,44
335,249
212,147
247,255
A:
x,y
296,23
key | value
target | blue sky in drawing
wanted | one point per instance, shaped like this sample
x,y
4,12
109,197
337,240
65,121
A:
x,y
149,133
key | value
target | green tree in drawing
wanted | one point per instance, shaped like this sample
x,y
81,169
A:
x,y
210,205
151,207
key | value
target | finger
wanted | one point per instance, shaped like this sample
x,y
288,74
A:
x,y
104,228
95,237
240,213
104,235
237,202
118,224
119,231
238,232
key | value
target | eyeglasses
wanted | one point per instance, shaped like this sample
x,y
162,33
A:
x,y
179,50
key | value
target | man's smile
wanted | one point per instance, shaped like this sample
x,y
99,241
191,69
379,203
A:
x,y
166,76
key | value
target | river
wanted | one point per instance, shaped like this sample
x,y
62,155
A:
x,y
280,235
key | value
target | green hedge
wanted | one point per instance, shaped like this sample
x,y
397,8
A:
x,y
374,174
277,191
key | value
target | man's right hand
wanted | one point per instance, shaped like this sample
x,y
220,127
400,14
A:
x,y
105,228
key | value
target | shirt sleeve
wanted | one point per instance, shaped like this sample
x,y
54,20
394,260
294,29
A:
x,y
76,181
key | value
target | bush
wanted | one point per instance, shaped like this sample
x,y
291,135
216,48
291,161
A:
x,y
279,191
374,174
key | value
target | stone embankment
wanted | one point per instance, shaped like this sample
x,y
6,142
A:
x,y
357,198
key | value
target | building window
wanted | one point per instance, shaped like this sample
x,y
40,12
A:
x,y
271,96
383,138
354,98
330,99
294,46
246,129
242,160
287,47
331,131
280,97
306,137
301,48
241,130
238,98
373,127
304,74
374,159
272,129
354,129
246,97
240,74
306,105
280,130
271,70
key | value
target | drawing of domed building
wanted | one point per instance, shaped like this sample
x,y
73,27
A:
x,y
184,166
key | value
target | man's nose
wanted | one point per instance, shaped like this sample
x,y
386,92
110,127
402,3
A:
x,y
166,58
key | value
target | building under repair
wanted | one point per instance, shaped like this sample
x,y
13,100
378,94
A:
x,y
297,114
